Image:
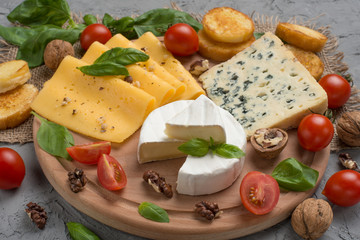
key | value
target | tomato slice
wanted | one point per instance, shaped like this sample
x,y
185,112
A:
x,y
89,153
259,192
110,173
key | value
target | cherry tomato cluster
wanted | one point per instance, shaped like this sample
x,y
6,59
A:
x,y
12,169
110,173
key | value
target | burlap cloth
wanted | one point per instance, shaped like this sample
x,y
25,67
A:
x,y
329,55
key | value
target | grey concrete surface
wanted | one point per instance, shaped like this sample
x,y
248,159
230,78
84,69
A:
x,y
342,16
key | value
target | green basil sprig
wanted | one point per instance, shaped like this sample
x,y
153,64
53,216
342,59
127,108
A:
x,y
153,212
156,21
293,175
80,232
199,147
89,19
113,62
54,138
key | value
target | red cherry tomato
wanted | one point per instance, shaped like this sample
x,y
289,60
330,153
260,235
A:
x,y
12,168
94,32
337,88
89,153
181,39
315,132
343,188
259,192
110,173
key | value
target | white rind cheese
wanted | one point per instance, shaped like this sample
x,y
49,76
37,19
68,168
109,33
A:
x,y
265,86
201,119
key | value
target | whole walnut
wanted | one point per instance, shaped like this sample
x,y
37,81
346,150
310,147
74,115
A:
x,y
348,128
312,218
55,52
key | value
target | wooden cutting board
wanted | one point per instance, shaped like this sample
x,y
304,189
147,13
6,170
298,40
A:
x,y
119,209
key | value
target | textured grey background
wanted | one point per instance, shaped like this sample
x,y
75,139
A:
x,y
342,16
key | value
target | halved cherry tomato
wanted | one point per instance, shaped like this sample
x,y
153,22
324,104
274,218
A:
x,y
259,192
315,132
94,32
181,39
337,88
343,188
110,173
12,169
89,153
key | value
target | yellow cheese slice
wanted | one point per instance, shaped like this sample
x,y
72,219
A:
x,y
105,108
147,81
161,55
152,66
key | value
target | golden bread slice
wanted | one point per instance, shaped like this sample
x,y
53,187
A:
x,y
15,105
300,36
309,59
13,74
220,51
225,24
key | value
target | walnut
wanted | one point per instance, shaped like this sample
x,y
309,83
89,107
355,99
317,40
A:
x,y
208,210
269,142
158,183
312,218
199,67
77,180
347,161
37,214
348,128
55,52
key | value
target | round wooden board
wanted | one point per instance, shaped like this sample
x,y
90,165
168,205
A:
x,y
119,209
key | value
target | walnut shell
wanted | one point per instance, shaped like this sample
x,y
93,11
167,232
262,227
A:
x,y
55,52
348,128
312,218
269,152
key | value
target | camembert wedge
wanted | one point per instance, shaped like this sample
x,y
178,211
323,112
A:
x,y
105,108
265,86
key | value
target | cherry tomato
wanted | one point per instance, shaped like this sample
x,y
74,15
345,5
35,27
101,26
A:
x,y
94,32
337,88
181,39
12,168
89,153
110,173
315,132
259,192
343,188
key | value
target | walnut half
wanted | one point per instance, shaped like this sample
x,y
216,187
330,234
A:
x,y
312,218
269,142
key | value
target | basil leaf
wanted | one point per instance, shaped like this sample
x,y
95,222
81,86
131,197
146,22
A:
x,y
195,147
41,12
153,212
124,25
32,50
54,138
104,69
124,56
80,232
89,19
258,35
159,20
228,151
295,176
16,35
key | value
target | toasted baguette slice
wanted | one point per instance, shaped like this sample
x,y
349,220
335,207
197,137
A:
x,y
219,51
300,36
309,59
13,74
225,24
15,105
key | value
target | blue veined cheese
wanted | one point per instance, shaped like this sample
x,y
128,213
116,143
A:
x,y
265,86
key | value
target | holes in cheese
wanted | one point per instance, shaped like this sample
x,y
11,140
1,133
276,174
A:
x,y
142,79
151,66
157,51
105,108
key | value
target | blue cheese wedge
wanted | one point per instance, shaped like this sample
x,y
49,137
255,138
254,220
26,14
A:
x,y
265,86
201,119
